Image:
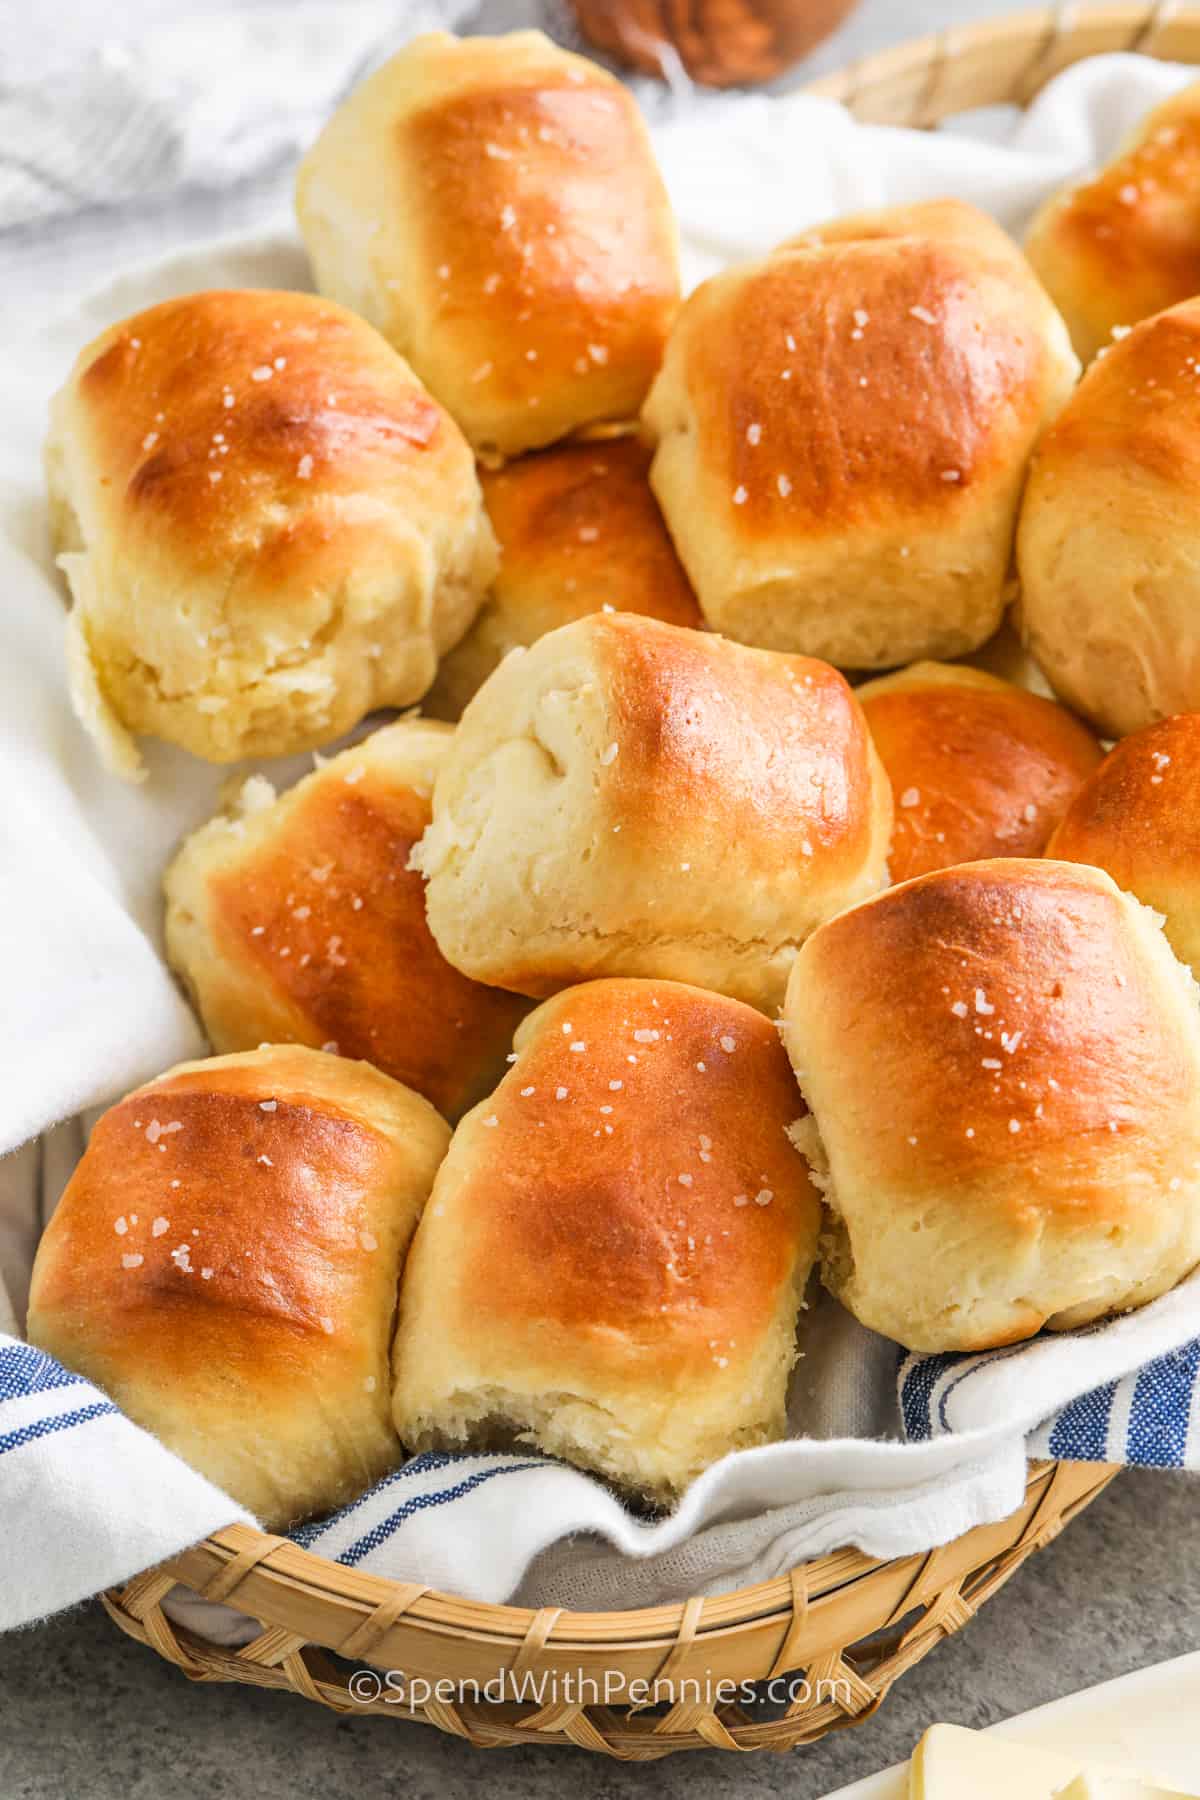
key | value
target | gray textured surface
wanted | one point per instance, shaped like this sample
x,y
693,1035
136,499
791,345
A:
x,y
86,1713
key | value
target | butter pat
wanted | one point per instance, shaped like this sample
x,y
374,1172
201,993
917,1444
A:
x,y
1117,1787
951,1763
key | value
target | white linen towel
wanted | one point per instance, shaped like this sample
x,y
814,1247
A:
x,y
90,1010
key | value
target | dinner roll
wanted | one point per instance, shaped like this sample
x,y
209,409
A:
x,y
629,797
579,532
977,767
297,920
617,1245
1125,243
1139,817
1003,1065
268,526
493,205
842,432
224,1260
1110,581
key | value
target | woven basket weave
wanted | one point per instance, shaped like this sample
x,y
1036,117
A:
x,y
843,1628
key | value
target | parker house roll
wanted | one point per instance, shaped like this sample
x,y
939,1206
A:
x,y
1138,817
224,1260
579,531
616,1248
978,767
1125,243
842,432
1110,581
493,205
1003,1065
268,526
633,798
297,920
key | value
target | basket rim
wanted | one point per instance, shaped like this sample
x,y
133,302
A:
x,y
1044,40
268,1562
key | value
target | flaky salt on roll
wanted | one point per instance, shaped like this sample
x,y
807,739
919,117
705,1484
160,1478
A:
x,y
1138,817
978,767
843,429
1110,582
296,919
1003,1065
493,205
579,531
224,1262
268,526
616,1249
629,797
1125,243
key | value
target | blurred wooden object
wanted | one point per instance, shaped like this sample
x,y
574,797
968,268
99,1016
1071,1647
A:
x,y
721,43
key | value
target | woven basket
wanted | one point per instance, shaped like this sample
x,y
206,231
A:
x,y
638,1685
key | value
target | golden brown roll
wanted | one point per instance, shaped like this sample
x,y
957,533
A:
x,y
224,1262
493,205
1138,817
1125,243
297,920
1110,582
616,1249
1003,1065
579,532
268,526
842,432
978,767
632,798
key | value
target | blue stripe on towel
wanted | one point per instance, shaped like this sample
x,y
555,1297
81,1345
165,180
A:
x,y
24,1370
1080,1432
919,1376
41,1428
309,1536
1161,1410
379,1534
